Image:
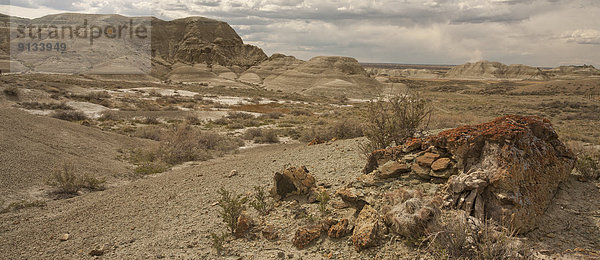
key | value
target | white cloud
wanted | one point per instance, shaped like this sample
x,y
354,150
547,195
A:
x,y
584,36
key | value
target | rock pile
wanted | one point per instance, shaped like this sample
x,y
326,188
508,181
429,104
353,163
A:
x,y
507,169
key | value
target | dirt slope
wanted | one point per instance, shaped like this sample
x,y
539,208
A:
x,y
31,146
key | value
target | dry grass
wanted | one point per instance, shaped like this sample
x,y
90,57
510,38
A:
x,y
69,115
45,106
344,129
262,108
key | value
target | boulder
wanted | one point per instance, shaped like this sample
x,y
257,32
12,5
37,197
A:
x,y
352,197
368,229
244,223
293,181
306,235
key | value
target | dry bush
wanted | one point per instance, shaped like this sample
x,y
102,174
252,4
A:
x,y
262,108
390,121
458,236
151,120
301,112
239,115
67,180
345,129
147,168
182,143
108,115
261,136
193,120
273,115
149,132
232,206
45,106
69,115
12,91
588,160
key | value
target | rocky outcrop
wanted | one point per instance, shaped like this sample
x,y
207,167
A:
x,y
495,70
507,169
276,65
202,40
569,72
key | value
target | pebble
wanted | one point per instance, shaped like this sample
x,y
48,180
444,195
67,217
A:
x,y
64,237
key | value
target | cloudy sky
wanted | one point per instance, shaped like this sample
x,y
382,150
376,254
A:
x,y
532,32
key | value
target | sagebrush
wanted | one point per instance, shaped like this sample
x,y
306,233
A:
x,y
232,206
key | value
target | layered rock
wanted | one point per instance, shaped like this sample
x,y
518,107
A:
x,y
495,70
507,169
325,76
202,40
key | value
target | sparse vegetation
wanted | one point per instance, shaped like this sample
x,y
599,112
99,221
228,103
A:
x,y
259,135
323,198
344,129
69,115
45,106
67,180
587,165
459,237
259,202
232,206
392,120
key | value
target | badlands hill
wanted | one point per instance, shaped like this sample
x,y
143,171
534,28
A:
x,y
567,72
323,75
495,70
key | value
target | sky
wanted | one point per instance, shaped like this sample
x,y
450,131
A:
x,y
543,33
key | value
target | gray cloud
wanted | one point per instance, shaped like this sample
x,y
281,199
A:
x,y
584,37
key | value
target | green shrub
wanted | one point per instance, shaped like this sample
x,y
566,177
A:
x,y
323,198
217,241
69,115
231,208
147,168
260,201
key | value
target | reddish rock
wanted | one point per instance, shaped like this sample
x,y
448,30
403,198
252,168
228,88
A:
x,y
352,197
293,181
244,223
338,230
510,168
427,159
367,230
412,144
305,235
392,169
440,164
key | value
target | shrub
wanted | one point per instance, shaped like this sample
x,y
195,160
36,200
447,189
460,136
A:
x,y
301,112
323,198
193,120
149,132
259,135
345,129
150,120
458,236
45,106
68,181
231,208
12,91
68,115
239,115
273,115
150,167
108,115
392,120
260,201
587,166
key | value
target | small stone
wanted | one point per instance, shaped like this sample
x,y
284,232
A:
x,y
97,252
244,223
305,235
338,230
270,233
427,159
232,173
64,237
440,164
